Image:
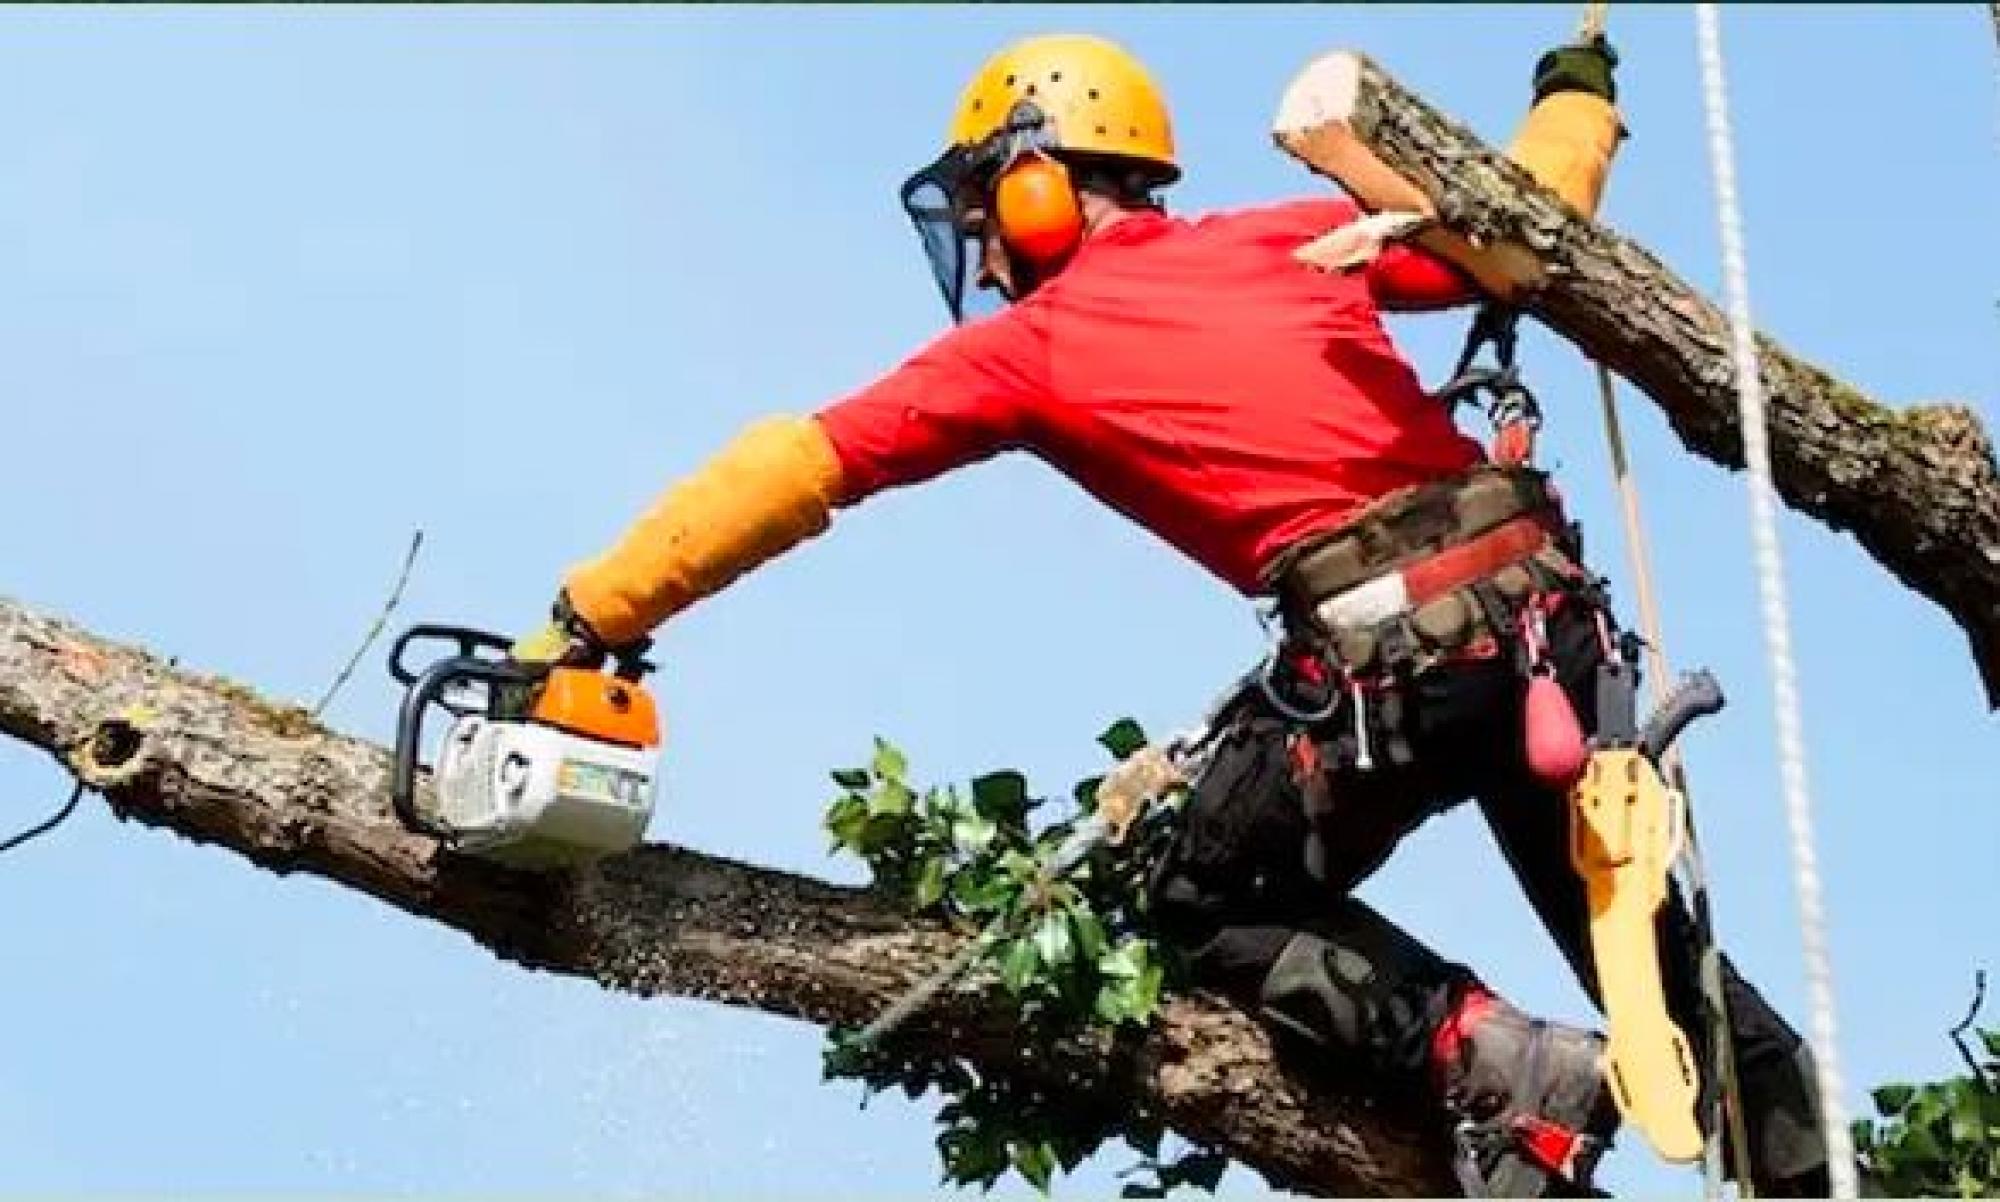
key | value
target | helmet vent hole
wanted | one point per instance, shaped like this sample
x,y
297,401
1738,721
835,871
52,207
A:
x,y
1031,89
1101,131
1010,80
1055,77
1093,94
1132,131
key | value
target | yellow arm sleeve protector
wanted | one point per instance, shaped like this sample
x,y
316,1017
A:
x,y
1566,143
767,491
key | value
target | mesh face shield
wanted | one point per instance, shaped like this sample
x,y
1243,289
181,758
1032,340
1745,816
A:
x,y
945,205
949,199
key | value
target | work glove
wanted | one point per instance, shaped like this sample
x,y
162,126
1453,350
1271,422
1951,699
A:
x,y
1578,67
564,641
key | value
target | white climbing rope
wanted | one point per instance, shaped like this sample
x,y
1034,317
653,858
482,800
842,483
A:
x,y
1771,589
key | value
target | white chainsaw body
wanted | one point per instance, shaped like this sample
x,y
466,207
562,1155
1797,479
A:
x,y
529,795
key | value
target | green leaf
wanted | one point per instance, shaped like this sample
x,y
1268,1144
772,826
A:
x,y
1001,797
1127,960
889,763
980,893
1113,1003
1969,1185
1891,1099
1019,965
1202,1169
1036,1162
972,1156
1070,1147
1919,1145
844,820
1992,1041
1089,931
844,1054
1019,867
1968,1125
930,884
1086,793
1145,1138
1146,993
880,832
1052,940
851,778
1929,1108
940,806
894,797
1122,738
973,833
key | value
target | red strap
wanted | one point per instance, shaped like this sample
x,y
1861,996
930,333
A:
x,y
1456,567
1547,1143
1306,760
1472,1006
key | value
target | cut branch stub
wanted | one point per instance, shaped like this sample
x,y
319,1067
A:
x,y
1318,121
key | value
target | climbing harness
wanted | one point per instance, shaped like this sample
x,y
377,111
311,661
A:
x,y
1777,624
1652,1063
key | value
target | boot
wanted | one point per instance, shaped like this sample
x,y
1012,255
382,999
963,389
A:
x,y
1531,1108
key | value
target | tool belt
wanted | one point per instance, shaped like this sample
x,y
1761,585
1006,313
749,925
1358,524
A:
x,y
1430,572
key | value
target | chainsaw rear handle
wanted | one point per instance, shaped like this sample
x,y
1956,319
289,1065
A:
x,y
1696,696
467,639
427,688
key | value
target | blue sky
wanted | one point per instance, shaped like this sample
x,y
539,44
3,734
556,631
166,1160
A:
x,y
281,285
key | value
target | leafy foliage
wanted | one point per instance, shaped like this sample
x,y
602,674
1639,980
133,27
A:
x,y
1940,1139
1071,955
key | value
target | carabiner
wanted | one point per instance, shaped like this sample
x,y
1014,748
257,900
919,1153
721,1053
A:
x,y
1268,683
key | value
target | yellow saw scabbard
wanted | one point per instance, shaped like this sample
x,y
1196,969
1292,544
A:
x,y
1626,828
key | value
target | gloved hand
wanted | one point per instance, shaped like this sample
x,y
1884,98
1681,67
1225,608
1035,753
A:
x,y
565,640
1578,67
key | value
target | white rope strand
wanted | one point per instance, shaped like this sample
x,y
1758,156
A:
x,y
1771,588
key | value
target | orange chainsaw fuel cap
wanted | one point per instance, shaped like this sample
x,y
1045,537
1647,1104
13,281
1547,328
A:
x,y
597,706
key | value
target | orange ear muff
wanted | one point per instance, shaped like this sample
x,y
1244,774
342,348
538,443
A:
x,y
1036,209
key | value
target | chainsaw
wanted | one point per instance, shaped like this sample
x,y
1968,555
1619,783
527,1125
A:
x,y
543,766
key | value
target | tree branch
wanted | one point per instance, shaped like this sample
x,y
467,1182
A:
x,y
213,762
1917,488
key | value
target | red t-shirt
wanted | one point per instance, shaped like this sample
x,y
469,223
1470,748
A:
x,y
1191,375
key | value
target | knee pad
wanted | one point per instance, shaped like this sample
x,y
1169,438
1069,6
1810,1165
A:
x,y
1361,991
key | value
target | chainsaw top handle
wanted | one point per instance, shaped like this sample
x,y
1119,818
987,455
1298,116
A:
x,y
465,638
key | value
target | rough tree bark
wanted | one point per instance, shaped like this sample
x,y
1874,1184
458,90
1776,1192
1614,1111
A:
x,y
1917,487
214,763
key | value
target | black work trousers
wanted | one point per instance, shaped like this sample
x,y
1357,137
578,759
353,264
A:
x,y
1236,896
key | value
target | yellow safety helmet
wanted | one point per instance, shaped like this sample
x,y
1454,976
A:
x,y
1099,98
1033,111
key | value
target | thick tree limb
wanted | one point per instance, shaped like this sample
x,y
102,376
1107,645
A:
x,y
1918,488
213,762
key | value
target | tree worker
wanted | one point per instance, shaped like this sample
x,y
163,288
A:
x,y
1253,413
